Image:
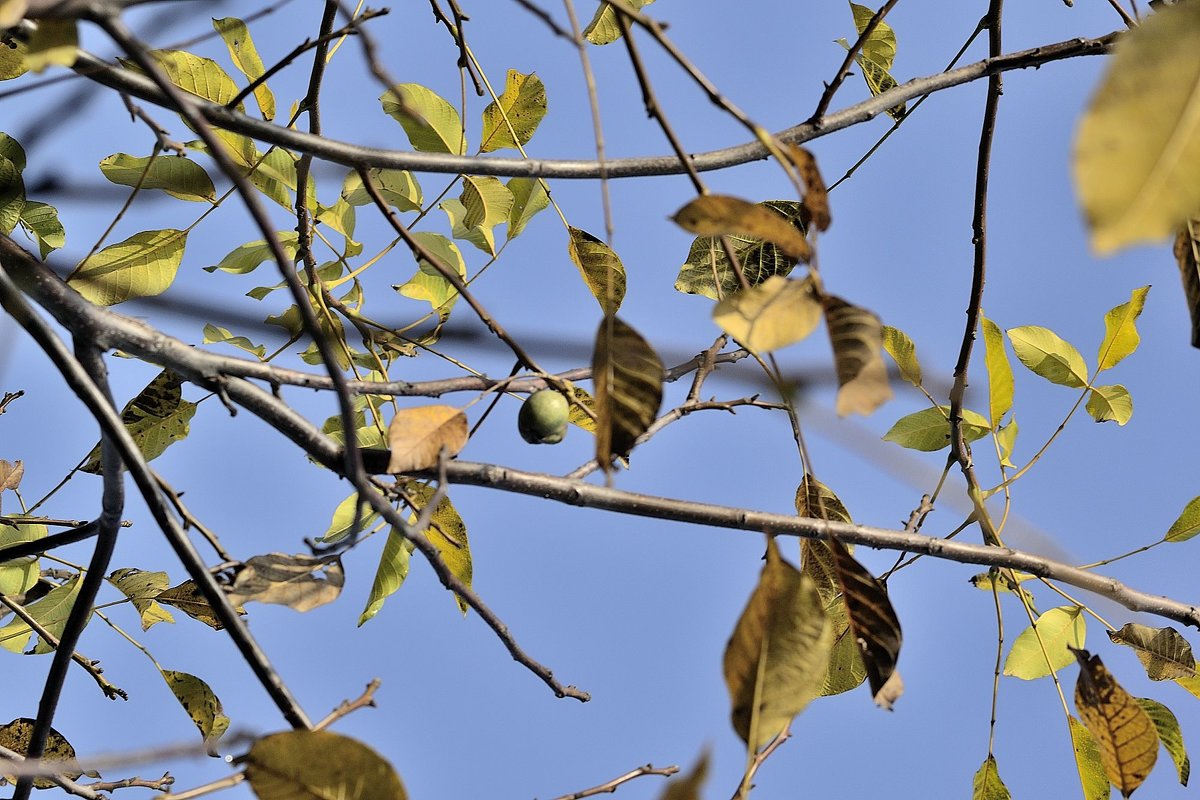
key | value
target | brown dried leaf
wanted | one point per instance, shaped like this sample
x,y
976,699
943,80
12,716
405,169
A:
x,y
857,338
717,215
1187,256
417,435
188,599
774,314
816,199
1121,727
1164,652
11,474
289,580
629,376
688,785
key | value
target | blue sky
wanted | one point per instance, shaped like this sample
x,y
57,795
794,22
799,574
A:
x,y
636,611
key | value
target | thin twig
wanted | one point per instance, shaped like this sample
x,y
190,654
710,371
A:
x,y
608,787
367,698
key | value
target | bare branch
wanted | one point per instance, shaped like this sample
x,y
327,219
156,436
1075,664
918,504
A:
x,y
608,787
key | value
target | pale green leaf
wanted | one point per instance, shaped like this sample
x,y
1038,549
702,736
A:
x,y
929,430
432,124
214,334
40,221
19,575
397,186
522,106
50,612
1006,437
880,46
999,370
1169,734
390,575
483,238
177,176
340,217
1120,332
247,257
600,267
605,27
200,703
245,57
485,202
428,283
1048,355
987,784
140,588
11,149
55,42
143,265
772,315
1110,403
343,518
1089,763
1188,523
529,197
1059,629
902,350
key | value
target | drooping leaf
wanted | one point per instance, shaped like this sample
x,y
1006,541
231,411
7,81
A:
x,y
390,574
929,430
714,215
522,105
141,588
688,785
1060,630
605,27
1006,437
319,765
298,581
902,350
816,500
857,338
20,574
447,532
40,220
999,370
201,704
245,57
876,56
529,197
417,435
1048,355
1164,652
11,474
143,265
343,518
987,784
1169,733
397,186
1187,257
432,124
188,599
873,623
816,194
1122,729
1136,181
774,314
12,194
50,612
177,176
248,256
777,657
55,42
15,736
628,377
1088,762
576,415
1120,331
1110,403
1187,524
600,267
708,272
156,418
214,334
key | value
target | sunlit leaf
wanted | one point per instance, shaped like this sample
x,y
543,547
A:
x,y
529,197
20,574
987,784
857,338
143,265
1187,524
522,105
319,765
344,515
390,574
417,435
201,704
1120,331
247,257
341,217
600,267
816,500
397,186
50,612
432,124
1060,630
1187,257
1122,729
298,581
1167,727
1110,403
15,736
876,56
12,58
1088,762
774,314
177,176
902,350
929,430
628,377
429,283
999,370
447,532
1136,182
485,202
1164,652
245,57
156,418
605,27
576,415
1006,437
55,42
40,221
718,215
214,334
12,194
777,657
141,588
1048,355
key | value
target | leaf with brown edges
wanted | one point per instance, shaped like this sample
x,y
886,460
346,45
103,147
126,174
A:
x,y
298,581
873,623
1164,652
857,338
629,376
319,765
1123,730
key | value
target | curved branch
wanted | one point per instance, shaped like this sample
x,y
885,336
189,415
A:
x,y
355,156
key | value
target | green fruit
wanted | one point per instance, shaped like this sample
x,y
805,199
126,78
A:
x,y
543,417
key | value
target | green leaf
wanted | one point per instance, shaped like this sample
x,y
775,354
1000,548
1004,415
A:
x,y
707,270
605,27
40,221
522,105
11,149
428,284
247,257
1137,150
1088,762
876,56
1109,403
245,57
343,519
1006,437
340,217
50,612
1164,652
316,765
1048,355
1187,525
529,197
390,574
156,418
214,334
432,124
201,704
143,265
177,176
1059,629
53,42
999,370
21,574
903,352
987,784
141,588
484,203
772,315
1169,734
929,430
1120,333
397,186
447,532
12,194
600,267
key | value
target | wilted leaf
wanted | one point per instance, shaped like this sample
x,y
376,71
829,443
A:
x,y
141,588
319,765
857,338
200,704
774,314
1120,331
1137,150
987,784
1110,403
11,474
522,105
298,581
688,785
432,124
156,418
718,215
903,352
1048,355
41,221
873,623
529,197
817,501
143,265
628,378
177,176
16,735
776,659
708,272
1187,256
245,57
1089,762
188,599
1061,630
1167,727
1188,523
929,430
55,42
601,268
999,370
605,28
1123,730
1164,652
50,612
417,435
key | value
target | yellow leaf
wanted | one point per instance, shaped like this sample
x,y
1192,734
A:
x,y
245,56
522,105
774,314
816,196
605,28
15,736
1123,730
432,124
143,265
601,268
201,705
417,435
718,215
312,765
